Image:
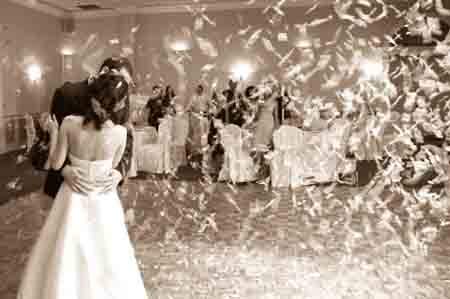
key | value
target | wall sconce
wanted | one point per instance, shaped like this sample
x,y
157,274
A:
x,y
67,62
67,50
34,72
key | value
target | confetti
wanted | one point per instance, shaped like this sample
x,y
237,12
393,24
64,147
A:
x,y
207,47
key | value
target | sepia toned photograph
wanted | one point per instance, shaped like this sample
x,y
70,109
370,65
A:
x,y
219,149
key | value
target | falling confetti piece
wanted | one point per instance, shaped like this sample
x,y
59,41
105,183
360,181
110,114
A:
x,y
114,41
207,47
253,38
208,67
89,42
135,29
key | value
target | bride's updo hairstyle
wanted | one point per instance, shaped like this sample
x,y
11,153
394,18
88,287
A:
x,y
108,94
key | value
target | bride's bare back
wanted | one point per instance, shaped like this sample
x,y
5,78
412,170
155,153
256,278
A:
x,y
87,143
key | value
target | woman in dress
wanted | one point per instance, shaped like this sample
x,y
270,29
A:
x,y
83,250
265,121
265,125
199,122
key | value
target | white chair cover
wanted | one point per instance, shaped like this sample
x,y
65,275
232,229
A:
x,y
285,161
143,138
199,128
311,156
238,166
180,133
155,158
323,152
340,133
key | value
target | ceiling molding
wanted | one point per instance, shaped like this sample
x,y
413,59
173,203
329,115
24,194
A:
x,y
41,7
180,7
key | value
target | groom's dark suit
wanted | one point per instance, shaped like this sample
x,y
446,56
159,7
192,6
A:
x,y
72,99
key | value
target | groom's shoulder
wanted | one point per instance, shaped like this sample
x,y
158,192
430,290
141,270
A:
x,y
71,89
121,129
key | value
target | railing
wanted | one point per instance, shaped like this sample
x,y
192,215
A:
x,y
13,134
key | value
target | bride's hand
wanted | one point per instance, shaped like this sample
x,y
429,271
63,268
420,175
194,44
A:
x,y
111,182
52,126
75,178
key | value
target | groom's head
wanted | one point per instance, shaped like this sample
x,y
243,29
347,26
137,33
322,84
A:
x,y
117,63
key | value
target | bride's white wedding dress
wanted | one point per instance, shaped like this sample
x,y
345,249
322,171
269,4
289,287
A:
x,y
84,250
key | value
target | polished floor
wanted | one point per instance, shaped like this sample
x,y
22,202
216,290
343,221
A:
x,y
17,177
198,239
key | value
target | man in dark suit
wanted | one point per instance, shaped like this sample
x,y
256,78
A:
x,y
157,106
72,99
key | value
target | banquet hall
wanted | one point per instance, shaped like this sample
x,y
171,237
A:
x,y
275,148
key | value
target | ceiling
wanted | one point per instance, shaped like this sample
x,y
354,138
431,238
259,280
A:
x,y
72,5
111,7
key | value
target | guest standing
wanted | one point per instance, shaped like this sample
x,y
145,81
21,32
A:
x,y
156,106
266,122
199,124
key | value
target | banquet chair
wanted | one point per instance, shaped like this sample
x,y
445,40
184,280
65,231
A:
x,y
330,160
312,157
285,160
238,166
142,136
155,158
345,168
179,137
323,154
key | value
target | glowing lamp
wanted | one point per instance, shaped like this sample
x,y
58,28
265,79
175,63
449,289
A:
x,y
181,45
34,72
241,71
67,51
372,69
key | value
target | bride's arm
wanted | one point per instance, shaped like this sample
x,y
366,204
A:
x,y
121,149
440,8
59,144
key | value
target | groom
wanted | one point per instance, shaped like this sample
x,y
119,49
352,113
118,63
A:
x,y
72,99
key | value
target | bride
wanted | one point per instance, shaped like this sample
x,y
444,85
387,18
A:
x,y
83,250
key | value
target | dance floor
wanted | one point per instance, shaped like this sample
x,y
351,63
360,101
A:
x,y
17,177
199,239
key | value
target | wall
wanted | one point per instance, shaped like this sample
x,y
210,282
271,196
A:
x,y
141,38
152,59
30,37
26,36
96,39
